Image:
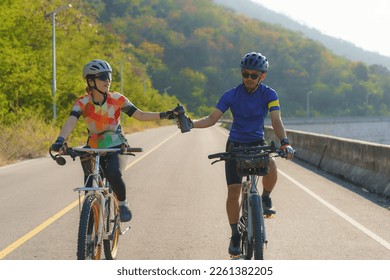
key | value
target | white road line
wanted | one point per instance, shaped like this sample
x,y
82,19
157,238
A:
x,y
151,151
362,228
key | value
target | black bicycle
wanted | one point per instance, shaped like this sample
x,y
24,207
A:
x,y
100,224
252,163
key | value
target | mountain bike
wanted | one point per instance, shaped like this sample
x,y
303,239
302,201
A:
x,y
252,163
100,224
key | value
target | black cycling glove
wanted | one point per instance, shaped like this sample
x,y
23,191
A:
x,y
167,115
58,144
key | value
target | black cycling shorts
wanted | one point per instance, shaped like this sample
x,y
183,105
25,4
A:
x,y
230,165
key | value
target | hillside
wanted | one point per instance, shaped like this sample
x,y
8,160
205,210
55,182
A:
x,y
186,50
192,49
162,52
337,46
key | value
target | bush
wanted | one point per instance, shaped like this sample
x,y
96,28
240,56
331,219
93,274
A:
x,y
28,137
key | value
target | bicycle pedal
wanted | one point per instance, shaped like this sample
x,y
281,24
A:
x,y
236,257
270,216
124,231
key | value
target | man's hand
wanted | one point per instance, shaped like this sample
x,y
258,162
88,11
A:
x,y
58,144
287,149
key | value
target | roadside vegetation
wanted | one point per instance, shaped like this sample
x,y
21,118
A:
x,y
162,52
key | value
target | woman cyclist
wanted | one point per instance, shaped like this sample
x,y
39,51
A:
x,y
101,110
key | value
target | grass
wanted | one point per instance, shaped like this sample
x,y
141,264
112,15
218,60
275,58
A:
x,y
30,137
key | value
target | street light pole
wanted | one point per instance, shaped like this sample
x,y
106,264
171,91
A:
x,y
307,104
53,81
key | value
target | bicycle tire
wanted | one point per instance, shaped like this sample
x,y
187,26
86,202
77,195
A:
x,y
88,245
110,244
246,243
258,237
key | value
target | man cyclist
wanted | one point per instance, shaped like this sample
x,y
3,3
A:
x,y
101,110
249,103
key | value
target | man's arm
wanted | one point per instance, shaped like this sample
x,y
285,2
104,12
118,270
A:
x,y
280,132
277,125
210,120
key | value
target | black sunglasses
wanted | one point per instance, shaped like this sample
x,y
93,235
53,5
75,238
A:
x,y
104,76
247,75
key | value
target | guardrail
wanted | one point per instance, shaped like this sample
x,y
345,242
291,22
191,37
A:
x,y
364,164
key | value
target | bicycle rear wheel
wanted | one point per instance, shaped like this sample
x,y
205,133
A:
x,y
88,244
112,228
258,237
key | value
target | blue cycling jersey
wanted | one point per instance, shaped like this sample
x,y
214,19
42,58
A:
x,y
249,111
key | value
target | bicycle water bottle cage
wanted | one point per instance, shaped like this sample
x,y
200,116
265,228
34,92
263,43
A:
x,y
252,163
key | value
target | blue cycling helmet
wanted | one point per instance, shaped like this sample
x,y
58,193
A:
x,y
254,61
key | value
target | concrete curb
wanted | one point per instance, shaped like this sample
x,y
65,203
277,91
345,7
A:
x,y
362,163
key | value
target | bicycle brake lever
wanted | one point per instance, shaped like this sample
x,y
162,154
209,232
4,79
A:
x,y
215,161
282,154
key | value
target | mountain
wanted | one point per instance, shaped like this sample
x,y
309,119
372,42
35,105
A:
x,y
337,46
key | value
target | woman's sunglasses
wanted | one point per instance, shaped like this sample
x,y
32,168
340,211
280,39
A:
x,y
104,76
246,75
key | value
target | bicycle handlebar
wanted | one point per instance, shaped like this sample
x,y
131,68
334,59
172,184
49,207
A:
x,y
268,149
125,151
78,151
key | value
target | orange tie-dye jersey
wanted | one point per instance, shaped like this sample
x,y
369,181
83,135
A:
x,y
103,121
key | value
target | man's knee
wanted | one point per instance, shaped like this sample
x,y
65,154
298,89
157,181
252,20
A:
x,y
234,191
272,165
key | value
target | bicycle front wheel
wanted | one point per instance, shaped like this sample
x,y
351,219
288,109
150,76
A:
x,y
258,237
246,240
88,244
112,229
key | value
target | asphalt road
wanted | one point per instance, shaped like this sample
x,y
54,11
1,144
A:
x,y
178,204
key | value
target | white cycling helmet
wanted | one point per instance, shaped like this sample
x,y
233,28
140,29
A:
x,y
96,66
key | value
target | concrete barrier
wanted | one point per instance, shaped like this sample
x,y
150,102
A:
x,y
362,163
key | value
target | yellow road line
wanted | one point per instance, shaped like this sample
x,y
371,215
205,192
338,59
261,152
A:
x,y
55,217
36,230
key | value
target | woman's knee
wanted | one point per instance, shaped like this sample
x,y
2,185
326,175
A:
x,y
113,174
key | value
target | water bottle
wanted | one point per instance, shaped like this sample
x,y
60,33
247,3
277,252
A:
x,y
184,125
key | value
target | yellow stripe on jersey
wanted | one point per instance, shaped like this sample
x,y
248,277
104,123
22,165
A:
x,y
274,103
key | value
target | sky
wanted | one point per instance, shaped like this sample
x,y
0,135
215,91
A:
x,y
363,23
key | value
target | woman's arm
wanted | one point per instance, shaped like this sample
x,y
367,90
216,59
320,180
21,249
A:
x,y
146,116
68,126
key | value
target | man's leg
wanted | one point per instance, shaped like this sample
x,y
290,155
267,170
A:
x,y
232,203
233,213
269,183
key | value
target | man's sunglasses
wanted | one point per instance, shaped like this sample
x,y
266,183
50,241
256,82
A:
x,y
104,76
246,75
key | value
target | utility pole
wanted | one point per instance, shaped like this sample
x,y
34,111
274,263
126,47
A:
x,y
53,81
308,104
